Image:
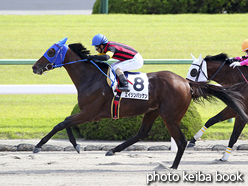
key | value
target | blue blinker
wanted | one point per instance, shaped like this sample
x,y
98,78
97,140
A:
x,y
60,51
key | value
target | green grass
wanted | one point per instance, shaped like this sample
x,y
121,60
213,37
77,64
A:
x,y
32,116
154,36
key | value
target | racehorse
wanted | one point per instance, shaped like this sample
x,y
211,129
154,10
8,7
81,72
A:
x,y
169,97
219,71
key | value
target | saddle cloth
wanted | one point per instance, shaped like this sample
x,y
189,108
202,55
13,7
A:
x,y
138,85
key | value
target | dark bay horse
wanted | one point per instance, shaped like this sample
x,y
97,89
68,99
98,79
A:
x,y
169,97
219,71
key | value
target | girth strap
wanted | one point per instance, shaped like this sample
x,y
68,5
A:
x,y
115,105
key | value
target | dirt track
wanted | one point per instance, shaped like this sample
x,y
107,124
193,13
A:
x,y
126,168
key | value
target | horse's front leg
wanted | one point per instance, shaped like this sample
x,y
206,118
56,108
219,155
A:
x,y
225,114
147,123
72,139
68,122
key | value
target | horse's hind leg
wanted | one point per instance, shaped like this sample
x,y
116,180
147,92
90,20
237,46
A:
x,y
237,129
225,114
146,126
176,132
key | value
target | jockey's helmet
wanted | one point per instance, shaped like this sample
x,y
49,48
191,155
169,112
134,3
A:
x,y
245,45
99,39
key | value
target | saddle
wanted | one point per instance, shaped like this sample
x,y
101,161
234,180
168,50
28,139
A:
x,y
138,84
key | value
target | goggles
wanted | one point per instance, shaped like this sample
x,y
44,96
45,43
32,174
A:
x,y
97,47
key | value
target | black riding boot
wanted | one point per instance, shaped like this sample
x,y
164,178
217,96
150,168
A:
x,y
123,84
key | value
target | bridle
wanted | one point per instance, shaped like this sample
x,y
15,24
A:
x,y
52,65
218,70
199,71
200,68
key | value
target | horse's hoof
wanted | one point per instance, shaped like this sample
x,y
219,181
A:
x,y
161,166
172,168
78,148
110,153
222,160
36,150
191,145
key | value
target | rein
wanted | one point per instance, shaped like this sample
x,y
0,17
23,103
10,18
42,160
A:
x,y
72,62
242,75
82,60
221,68
218,70
113,81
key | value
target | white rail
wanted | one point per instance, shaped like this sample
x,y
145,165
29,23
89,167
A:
x,y
38,89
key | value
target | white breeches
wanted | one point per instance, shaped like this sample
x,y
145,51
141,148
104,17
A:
x,y
132,64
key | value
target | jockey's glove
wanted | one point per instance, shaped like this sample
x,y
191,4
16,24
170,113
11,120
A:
x,y
235,64
99,57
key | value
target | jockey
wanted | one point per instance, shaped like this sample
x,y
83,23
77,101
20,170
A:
x,y
240,61
128,58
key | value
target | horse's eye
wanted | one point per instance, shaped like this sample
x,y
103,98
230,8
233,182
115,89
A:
x,y
51,52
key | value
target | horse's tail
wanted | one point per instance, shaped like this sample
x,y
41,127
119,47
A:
x,y
231,98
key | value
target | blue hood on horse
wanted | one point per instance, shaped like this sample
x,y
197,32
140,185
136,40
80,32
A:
x,y
60,51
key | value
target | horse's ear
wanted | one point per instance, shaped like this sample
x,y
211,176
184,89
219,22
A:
x,y
193,57
62,41
200,58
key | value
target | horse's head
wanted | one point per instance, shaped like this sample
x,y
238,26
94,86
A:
x,y
198,70
218,67
52,58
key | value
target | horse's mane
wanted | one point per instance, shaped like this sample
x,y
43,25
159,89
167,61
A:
x,y
80,50
220,57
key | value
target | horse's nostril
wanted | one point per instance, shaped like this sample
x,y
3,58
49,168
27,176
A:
x,y
35,68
